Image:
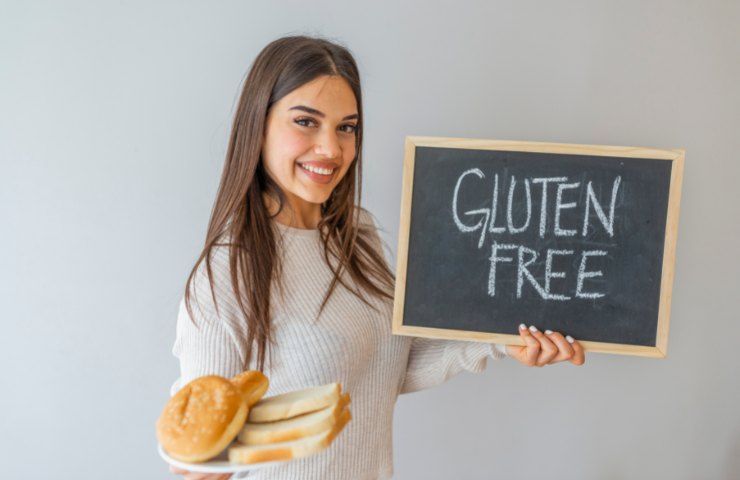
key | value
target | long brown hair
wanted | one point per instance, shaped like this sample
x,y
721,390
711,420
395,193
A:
x,y
240,216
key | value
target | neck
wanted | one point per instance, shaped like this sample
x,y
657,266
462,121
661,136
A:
x,y
298,214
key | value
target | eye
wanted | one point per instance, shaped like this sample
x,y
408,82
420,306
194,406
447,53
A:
x,y
300,120
306,121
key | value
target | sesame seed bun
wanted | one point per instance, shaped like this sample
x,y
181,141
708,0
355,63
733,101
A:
x,y
253,385
202,419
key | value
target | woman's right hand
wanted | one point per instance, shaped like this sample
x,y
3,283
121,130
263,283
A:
x,y
188,475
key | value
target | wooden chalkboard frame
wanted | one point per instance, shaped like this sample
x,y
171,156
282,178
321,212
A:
x,y
676,156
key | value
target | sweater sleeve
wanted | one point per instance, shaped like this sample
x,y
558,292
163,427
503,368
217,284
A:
x,y
434,361
206,344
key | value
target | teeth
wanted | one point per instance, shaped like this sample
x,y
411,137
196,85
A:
x,y
320,171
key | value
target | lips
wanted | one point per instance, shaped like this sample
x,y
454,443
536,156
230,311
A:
x,y
318,177
316,164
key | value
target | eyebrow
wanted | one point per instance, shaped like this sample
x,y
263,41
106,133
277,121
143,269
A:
x,y
320,114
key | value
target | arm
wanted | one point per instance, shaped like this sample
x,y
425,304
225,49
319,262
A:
x,y
434,361
207,344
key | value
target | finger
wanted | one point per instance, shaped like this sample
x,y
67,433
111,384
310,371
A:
x,y
202,476
548,349
516,351
579,355
177,470
565,349
217,476
532,347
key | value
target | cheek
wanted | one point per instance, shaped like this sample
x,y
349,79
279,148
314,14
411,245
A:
x,y
349,157
348,151
284,149
294,145
347,163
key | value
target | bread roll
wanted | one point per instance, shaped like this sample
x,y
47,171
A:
x,y
288,450
291,404
253,384
201,419
293,428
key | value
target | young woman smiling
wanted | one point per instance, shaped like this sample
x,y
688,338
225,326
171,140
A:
x,y
292,262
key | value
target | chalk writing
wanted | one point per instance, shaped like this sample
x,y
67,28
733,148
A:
x,y
523,258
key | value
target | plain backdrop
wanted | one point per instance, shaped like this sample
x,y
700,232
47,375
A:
x,y
114,118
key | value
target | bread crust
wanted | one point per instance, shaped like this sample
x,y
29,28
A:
x,y
241,454
202,419
293,428
253,384
292,404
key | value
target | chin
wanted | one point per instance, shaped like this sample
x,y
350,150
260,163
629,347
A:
x,y
316,197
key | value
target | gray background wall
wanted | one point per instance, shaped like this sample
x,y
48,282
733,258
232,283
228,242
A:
x,y
113,124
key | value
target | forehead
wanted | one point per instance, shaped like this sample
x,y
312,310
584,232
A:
x,y
329,94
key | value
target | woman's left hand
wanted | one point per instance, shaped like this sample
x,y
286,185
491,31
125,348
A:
x,y
188,475
542,349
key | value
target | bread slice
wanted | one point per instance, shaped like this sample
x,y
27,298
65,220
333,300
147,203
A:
x,y
292,404
293,428
292,449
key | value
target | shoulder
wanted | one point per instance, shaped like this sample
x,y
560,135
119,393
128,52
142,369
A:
x,y
368,227
211,286
365,219
217,262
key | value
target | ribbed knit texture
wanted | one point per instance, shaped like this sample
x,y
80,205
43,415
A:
x,y
349,343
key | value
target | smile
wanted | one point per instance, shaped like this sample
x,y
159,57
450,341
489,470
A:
x,y
320,171
317,174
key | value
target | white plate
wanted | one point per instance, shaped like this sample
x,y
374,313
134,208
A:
x,y
219,464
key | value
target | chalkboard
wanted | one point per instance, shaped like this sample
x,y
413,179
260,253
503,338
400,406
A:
x,y
578,239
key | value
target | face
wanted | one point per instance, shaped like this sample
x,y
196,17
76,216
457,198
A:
x,y
309,140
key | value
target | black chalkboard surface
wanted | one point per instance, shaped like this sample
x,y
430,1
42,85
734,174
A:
x,y
578,239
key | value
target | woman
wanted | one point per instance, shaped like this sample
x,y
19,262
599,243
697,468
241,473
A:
x,y
292,261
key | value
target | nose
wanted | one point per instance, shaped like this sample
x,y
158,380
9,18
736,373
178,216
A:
x,y
328,146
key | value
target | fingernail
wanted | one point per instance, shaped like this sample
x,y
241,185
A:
x,y
548,332
569,338
522,326
532,328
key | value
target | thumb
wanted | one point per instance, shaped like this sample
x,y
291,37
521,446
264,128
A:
x,y
177,471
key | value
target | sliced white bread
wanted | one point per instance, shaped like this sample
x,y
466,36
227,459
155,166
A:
x,y
292,404
293,428
291,449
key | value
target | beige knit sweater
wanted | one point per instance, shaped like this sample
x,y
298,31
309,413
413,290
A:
x,y
350,343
